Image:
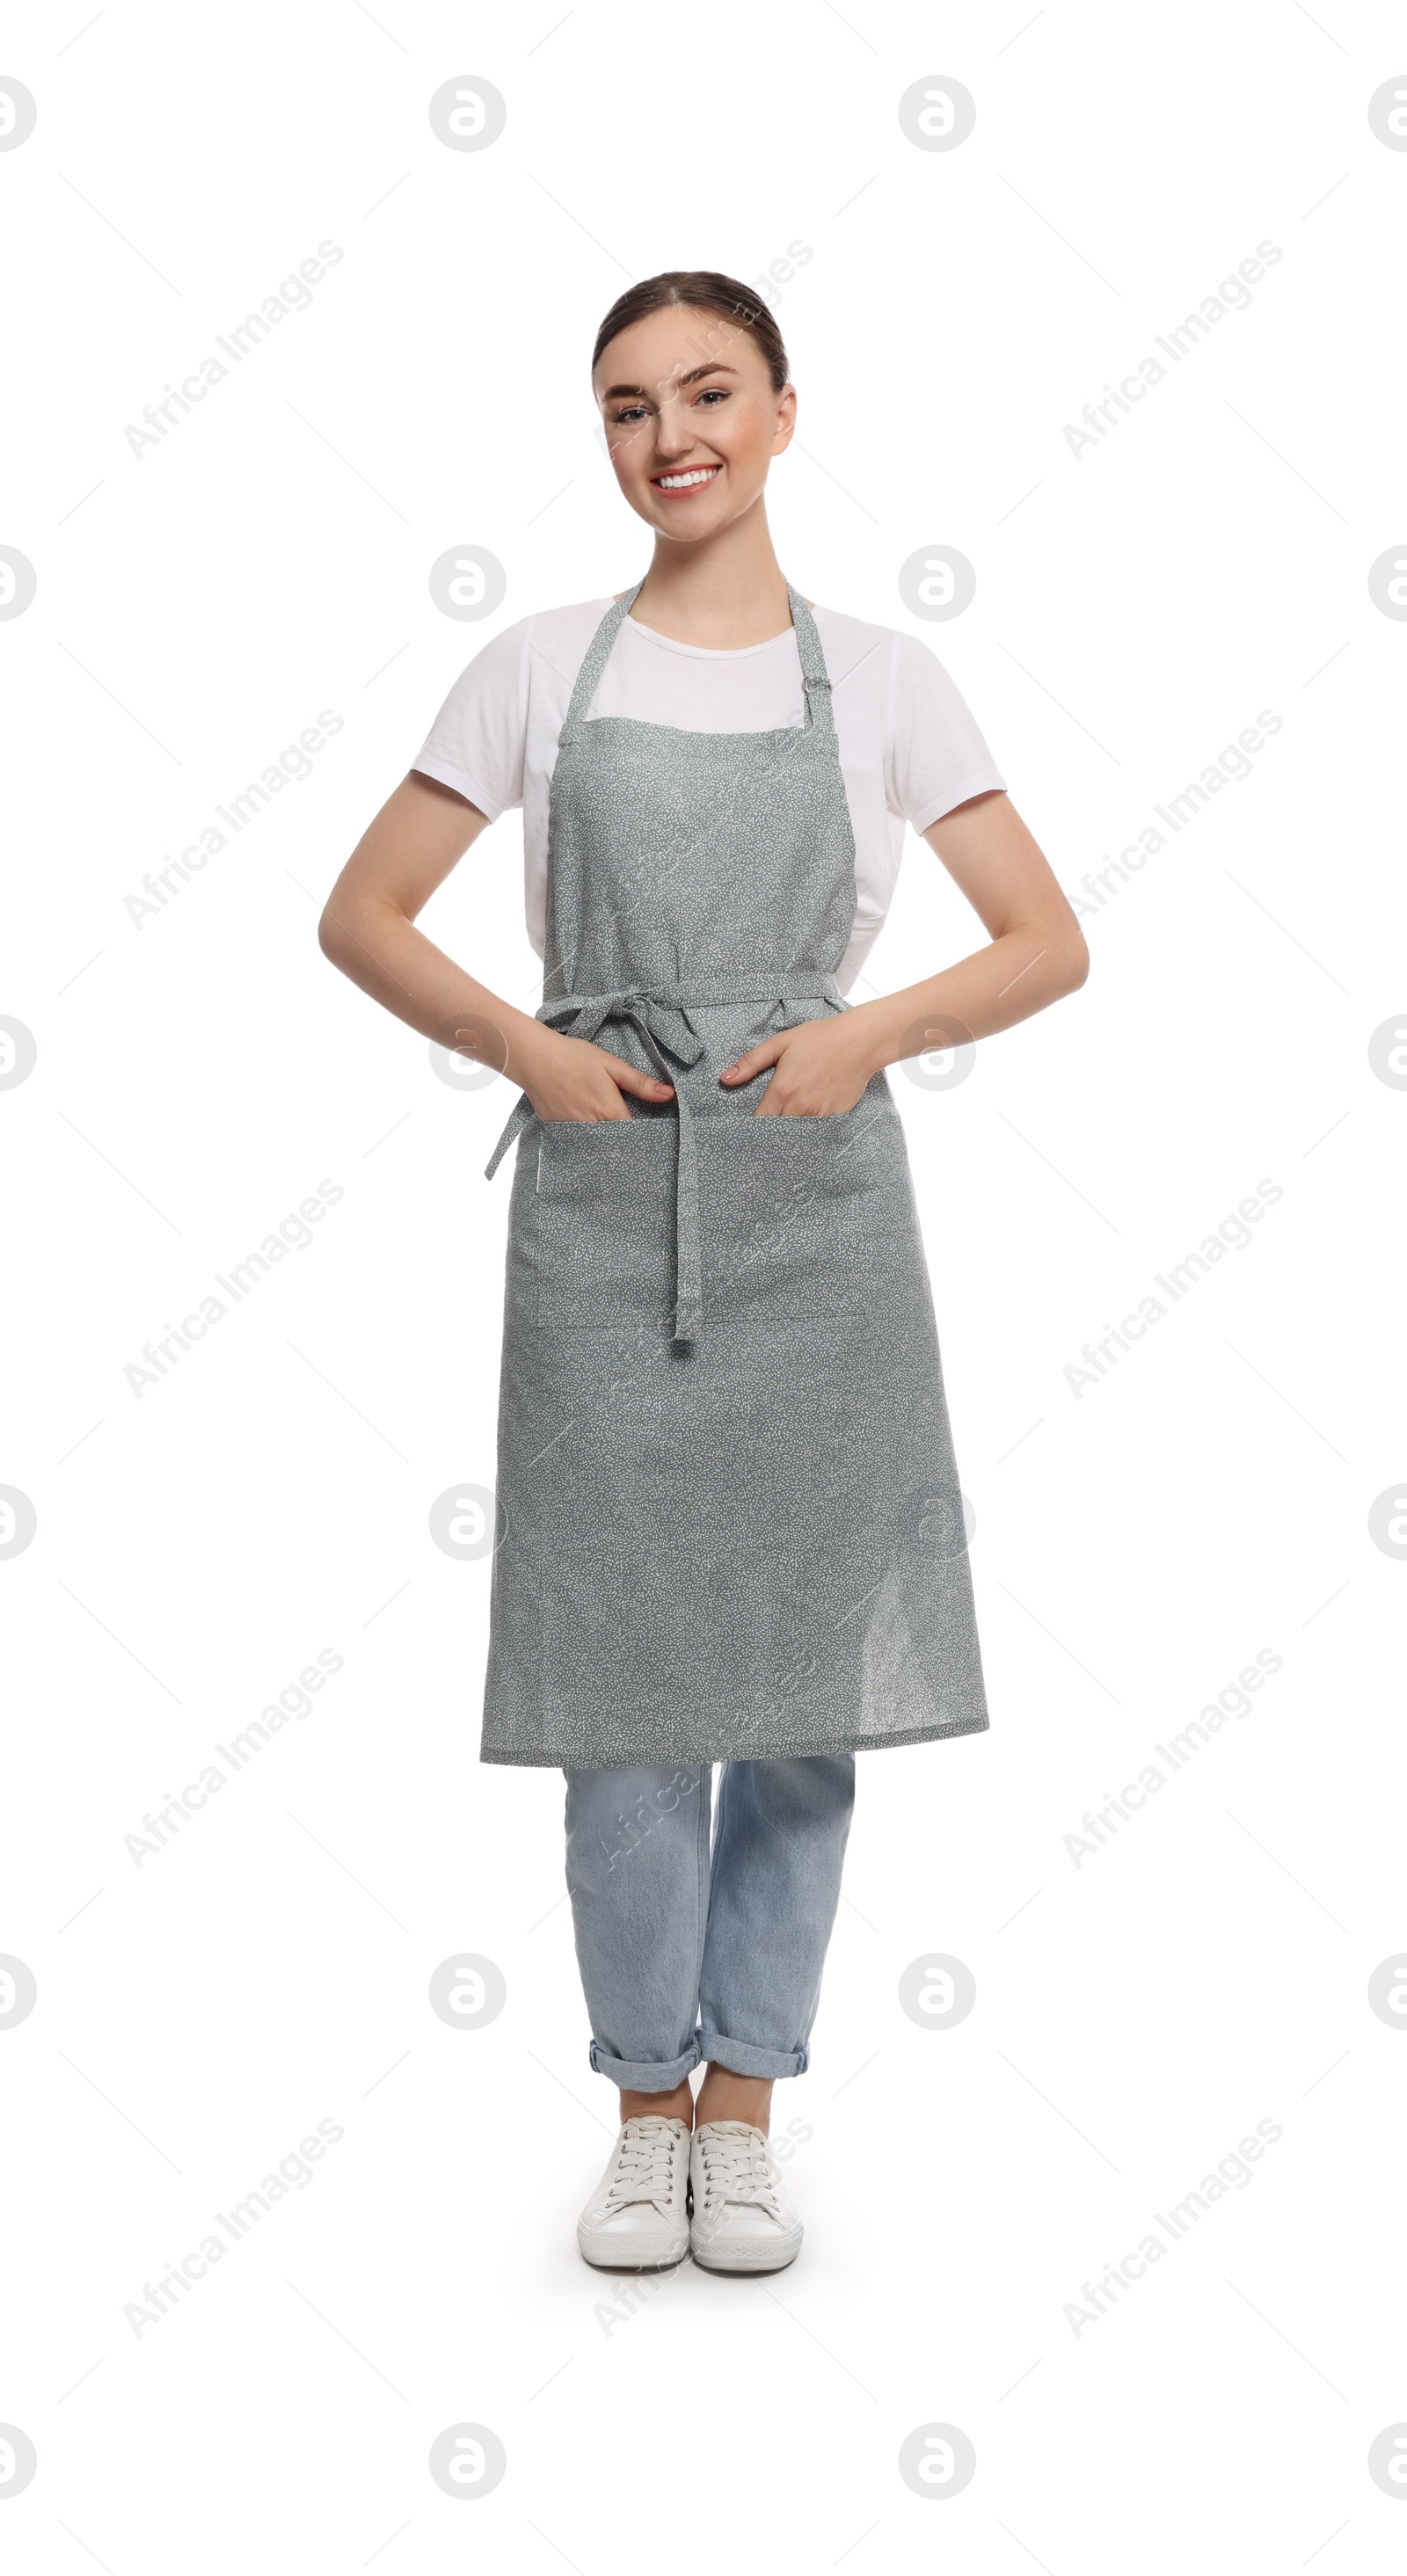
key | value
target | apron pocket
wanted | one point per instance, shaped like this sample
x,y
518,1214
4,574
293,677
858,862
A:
x,y
599,1230
805,1215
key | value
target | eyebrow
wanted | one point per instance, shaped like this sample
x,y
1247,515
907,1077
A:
x,y
613,392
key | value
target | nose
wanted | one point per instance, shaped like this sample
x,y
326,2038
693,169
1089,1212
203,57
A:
x,y
674,430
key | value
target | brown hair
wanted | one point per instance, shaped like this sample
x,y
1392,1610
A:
x,y
708,292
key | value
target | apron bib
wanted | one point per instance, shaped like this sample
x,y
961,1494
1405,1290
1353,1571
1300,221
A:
x,y
729,1510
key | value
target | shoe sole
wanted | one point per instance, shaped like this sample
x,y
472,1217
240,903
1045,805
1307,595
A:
x,y
746,2271
671,2266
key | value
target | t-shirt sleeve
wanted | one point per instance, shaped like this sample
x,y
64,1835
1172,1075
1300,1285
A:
x,y
476,742
935,757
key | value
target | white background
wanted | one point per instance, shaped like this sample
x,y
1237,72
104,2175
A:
x,y
1136,1544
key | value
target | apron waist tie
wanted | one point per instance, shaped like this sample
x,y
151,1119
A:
x,y
660,1015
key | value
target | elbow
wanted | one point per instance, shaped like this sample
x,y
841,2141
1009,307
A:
x,y
352,929
1067,950
1060,955
332,936
1075,959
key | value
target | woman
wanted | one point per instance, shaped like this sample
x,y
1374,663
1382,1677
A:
x,y
730,1526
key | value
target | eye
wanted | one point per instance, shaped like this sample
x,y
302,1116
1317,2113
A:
x,y
635,412
714,394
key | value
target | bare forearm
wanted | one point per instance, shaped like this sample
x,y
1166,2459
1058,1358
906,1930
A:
x,y
374,944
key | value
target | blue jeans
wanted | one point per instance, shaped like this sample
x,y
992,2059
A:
x,y
687,1954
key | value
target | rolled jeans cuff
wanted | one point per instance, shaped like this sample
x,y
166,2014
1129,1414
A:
x,y
649,2077
740,2058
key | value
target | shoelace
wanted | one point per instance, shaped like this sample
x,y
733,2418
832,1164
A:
x,y
645,2168
737,2166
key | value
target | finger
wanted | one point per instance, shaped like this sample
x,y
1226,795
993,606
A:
x,y
646,1086
753,1062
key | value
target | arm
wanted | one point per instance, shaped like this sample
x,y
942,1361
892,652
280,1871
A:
x,y
368,930
1037,954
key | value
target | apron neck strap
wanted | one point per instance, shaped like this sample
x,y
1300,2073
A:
x,y
815,679
588,677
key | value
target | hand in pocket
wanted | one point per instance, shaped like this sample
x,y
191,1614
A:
x,y
570,1079
822,1069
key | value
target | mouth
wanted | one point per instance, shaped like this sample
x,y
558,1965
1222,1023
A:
x,y
693,478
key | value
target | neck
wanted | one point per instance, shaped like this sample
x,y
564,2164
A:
x,y
726,592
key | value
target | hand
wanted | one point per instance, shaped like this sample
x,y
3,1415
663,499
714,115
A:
x,y
822,1069
568,1078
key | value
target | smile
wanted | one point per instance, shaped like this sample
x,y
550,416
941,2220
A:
x,y
691,481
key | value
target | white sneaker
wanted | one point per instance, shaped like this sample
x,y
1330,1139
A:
x,y
743,2220
636,2219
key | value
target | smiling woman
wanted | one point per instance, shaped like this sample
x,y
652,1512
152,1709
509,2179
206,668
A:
x,y
697,430
731,1524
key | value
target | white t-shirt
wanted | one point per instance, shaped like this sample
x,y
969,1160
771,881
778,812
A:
x,y
909,749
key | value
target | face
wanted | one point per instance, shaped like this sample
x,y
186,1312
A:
x,y
691,420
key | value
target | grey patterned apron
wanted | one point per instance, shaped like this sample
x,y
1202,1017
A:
x,y
729,1516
